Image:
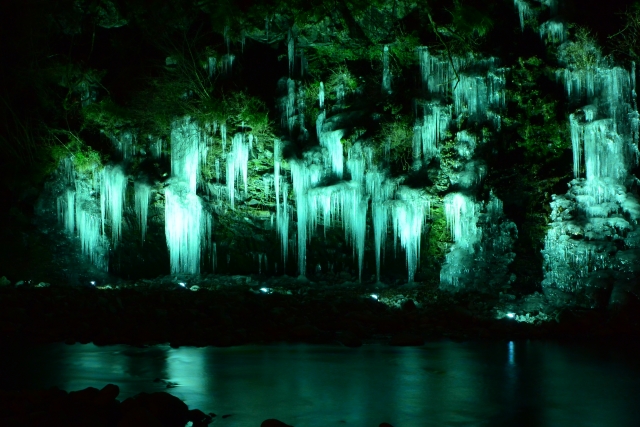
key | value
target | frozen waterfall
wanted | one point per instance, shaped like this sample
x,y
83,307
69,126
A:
x,y
593,240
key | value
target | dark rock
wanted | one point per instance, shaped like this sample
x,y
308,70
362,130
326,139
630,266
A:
x,y
196,416
138,417
409,305
385,425
171,411
107,395
274,423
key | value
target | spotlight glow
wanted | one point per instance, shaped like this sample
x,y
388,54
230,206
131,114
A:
x,y
184,285
511,315
374,296
93,282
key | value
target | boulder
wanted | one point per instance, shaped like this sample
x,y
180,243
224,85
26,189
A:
x,y
274,423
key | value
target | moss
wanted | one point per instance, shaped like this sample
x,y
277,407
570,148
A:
x,y
535,114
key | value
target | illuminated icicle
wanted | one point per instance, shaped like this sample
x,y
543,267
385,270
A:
x,y
554,31
237,165
305,174
223,137
66,210
408,212
460,212
321,96
291,103
524,11
380,191
124,144
112,192
183,228
141,205
355,163
386,75
88,225
291,52
185,150
211,65
331,140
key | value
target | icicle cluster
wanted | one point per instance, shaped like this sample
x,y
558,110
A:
x,y
593,237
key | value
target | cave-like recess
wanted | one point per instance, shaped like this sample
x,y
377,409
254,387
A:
x,y
466,145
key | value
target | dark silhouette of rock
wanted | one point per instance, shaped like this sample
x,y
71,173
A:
x,y
274,423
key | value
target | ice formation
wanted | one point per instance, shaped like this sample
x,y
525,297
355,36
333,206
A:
x,y
409,211
524,11
386,75
187,228
593,239
80,214
237,164
482,251
553,31
112,198
187,223
141,205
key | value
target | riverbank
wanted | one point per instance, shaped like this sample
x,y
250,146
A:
x,y
236,310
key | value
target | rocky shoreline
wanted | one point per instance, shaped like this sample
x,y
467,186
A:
x,y
101,408
237,310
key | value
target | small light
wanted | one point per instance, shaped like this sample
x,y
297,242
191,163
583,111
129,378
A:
x,y
374,296
184,285
93,282
511,315
265,290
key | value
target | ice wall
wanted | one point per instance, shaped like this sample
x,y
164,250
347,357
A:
x,y
593,240
187,223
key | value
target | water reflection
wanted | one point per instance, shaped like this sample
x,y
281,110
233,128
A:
x,y
440,384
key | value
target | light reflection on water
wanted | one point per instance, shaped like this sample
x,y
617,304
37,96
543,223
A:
x,y
440,384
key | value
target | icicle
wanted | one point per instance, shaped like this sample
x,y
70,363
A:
x,y
237,163
124,144
291,52
114,184
321,96
211,66
223,137
460,215
386,76
185,151
409,212
291,103
88,225
331,141
524,11
66,211
183,228
380,192
217,169
554,31
355,163
141,205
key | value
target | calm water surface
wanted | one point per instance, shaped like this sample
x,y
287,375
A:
x,y
441,384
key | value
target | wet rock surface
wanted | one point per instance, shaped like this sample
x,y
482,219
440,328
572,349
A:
x,y
234,310
101,408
